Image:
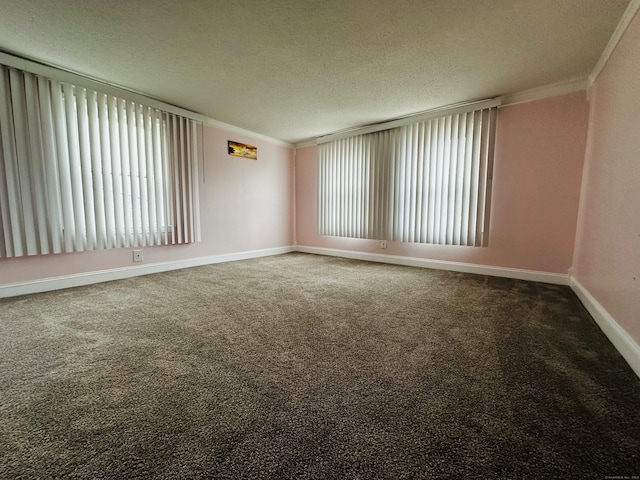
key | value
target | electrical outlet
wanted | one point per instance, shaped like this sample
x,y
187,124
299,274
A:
x,y
137,255
383,244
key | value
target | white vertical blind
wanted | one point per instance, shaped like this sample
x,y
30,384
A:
x,y
81,170
426,182
182,137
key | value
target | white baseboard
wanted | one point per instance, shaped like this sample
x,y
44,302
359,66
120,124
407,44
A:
x,y
618,336
88,278
505,272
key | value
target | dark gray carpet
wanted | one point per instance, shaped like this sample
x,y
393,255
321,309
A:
x,y
308,367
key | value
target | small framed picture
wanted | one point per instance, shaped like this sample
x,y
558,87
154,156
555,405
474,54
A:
x,y
242,150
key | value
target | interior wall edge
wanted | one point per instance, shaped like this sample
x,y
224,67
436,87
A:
x,y
618,336
88,278
494,271
621,27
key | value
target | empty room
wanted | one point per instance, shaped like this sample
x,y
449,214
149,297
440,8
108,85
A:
x,y
295,239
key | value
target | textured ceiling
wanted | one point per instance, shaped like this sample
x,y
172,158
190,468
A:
x,y
296,69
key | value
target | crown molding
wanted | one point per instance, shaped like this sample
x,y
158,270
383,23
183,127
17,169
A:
x,y
306,143
625,20
553,90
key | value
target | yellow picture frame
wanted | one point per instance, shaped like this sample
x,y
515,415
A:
x,y
238,149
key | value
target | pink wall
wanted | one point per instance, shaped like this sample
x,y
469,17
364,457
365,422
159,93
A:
x,y
245,205
539,157
607,259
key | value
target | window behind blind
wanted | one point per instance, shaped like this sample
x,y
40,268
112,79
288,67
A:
x,y
83,170
424,182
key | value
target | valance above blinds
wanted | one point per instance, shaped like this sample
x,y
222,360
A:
x,y
83,170
425,182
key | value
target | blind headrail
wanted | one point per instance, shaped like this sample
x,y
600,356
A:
x,y
101,86
414,118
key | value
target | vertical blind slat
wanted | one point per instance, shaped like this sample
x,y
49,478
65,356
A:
x,y
37,162
419,146
189,182
184,176
145,233
106,143
177,180
482,165
354,181
96,169
491,135
63,166
457,211
475,174
6,245
453,170
196,181
125,173
159,171
426,127
74,168
132,181
82,117
116,171
28,233
54,200
11,215
153,237
466,190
